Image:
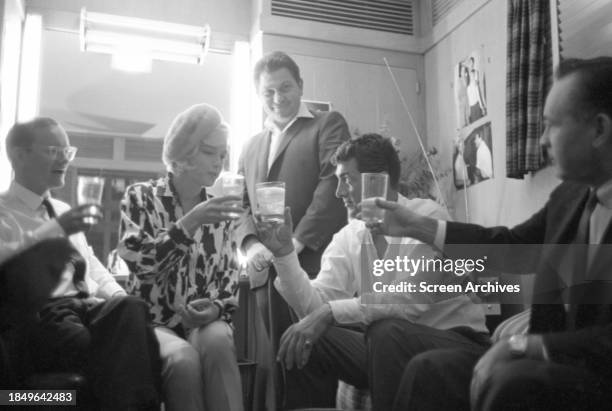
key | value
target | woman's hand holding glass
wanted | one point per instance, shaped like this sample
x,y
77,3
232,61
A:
x,y
212,211
276,236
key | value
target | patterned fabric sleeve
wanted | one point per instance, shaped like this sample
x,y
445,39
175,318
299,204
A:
x,y
228,284
148,244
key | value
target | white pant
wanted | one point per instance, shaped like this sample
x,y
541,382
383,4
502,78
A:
x,y
202,372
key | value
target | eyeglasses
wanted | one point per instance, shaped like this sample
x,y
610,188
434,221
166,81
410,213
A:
x,y
68,152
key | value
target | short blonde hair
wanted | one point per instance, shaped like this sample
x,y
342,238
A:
x,y
182,142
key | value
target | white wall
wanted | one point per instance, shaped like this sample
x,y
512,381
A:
x,y
500,200
11,17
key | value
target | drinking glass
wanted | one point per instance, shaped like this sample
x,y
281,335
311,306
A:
x,y
233,185
271,201
89,191
373,186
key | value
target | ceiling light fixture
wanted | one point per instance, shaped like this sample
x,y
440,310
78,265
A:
x,y
143,39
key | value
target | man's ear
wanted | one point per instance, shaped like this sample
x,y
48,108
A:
x,y
603,130
17,155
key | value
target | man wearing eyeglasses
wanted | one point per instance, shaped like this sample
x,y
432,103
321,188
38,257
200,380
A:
x,y
88,325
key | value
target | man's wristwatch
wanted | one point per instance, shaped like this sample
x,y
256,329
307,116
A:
x,y
518,345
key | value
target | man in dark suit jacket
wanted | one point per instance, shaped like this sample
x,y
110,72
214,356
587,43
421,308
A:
x,y
565,362
296,147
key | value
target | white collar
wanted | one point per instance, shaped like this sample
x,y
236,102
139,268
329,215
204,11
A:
x,y
303,112
28,197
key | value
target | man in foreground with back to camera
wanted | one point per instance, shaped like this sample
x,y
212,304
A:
x,y
565,361
319,349
88,325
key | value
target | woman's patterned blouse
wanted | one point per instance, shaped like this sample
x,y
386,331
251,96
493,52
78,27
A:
x,y
168,268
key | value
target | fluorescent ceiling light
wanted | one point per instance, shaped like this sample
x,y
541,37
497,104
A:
x,y
131,62
29,78
107,33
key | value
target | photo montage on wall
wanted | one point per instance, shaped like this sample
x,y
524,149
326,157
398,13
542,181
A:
x,y
472,158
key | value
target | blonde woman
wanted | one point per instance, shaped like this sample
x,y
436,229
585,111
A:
x,y
178,242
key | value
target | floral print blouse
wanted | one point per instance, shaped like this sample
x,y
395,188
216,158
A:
x,y
169,268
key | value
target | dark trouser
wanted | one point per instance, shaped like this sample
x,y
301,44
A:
x,y
111,342
438,380
522,384
393,344
340,354
538,385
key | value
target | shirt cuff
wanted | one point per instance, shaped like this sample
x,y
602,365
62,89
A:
x,y
440,237
286,262
536,348
347,311
109,290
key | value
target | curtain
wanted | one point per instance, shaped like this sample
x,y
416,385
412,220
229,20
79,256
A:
x,y
528,79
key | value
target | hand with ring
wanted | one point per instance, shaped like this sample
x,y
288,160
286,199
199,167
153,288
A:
x,y
297,342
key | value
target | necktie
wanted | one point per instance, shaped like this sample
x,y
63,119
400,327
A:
x,y
582,234
581,254
78,277
50,211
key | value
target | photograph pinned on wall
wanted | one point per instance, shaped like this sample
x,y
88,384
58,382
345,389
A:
x,y
318,105
472,158
470,90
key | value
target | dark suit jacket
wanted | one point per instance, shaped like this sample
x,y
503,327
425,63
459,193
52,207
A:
x,y
303,162
587,340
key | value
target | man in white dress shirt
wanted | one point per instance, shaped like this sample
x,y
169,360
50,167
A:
x,y
320,349
88,325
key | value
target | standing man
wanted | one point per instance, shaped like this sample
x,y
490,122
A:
x,y
88,324
296,147
565,362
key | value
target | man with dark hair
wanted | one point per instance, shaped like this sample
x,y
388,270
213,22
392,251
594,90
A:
x,y
319,349
565,361
88,324
295,146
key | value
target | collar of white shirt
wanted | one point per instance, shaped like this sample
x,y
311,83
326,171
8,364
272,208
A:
x,y
303,112
29,198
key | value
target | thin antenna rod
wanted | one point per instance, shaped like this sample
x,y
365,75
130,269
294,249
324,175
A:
x,y
412,122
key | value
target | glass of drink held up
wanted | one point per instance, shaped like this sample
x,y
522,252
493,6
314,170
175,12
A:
x,y
89,191
373,186
271,201
233,185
